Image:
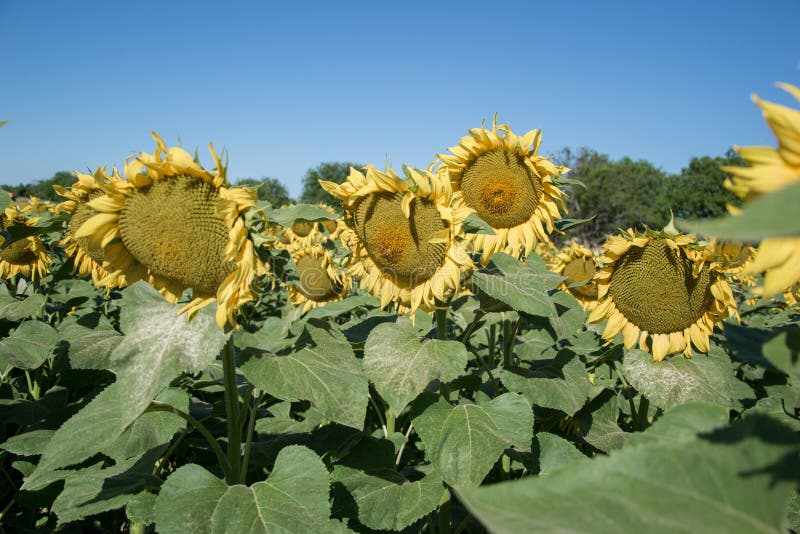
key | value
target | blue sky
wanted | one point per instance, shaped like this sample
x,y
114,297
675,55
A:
x,y
285,86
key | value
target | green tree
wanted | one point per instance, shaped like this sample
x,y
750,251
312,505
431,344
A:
x,y
44,188
331,171
699,191
620,194
269,189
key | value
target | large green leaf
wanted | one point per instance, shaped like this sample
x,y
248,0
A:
x,y
293,499
560,383
14,309
151,429
737,479
401,365
475,225
604,432
386,499
677,380
90,340
473,437
300,212
783,351
158,346
28,346
187,500
323,371
682,424
524,288
762,218
28,444
91,490
553,452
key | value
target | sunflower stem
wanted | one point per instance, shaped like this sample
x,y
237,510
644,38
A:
x,y
157,406
444,512
492,344
441,323
248,444
390,421
441,334
232,412
509,333
644,407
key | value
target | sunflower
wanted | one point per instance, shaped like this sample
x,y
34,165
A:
x,y
303,233
508,184
27,256
578,265
405,245
735,259
320,281
662,290
178,226
770,170
88,259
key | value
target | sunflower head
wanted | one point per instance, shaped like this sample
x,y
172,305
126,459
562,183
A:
x,y
405,235
578,265
509,185
27,256
320,281
178,226
662,291
88,257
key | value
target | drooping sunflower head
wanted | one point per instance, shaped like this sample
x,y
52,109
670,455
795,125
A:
x,y
406,235
578,265
178,226
27,256
734,259
88,258
661,290
509,185
320,281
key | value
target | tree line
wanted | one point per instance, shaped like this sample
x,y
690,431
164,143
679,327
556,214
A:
x,y
618,193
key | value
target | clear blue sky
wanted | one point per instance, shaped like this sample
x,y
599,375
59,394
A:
x,y
284,86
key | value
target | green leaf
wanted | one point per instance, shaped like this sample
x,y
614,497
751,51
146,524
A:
x,y
682,424
762,218
158,346
677,380
569,224
334,309
187,500
783,351
324,372
151,429
524,288
554,452
401,365
90,340
271,337
5,198
738,479
140,508
28,444
13,309
300,212
475,225
21,231
293,499
92,491
604,432
560,383
473,437
386,499
28,346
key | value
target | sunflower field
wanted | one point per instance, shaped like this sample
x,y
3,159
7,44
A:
x,y
437,356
